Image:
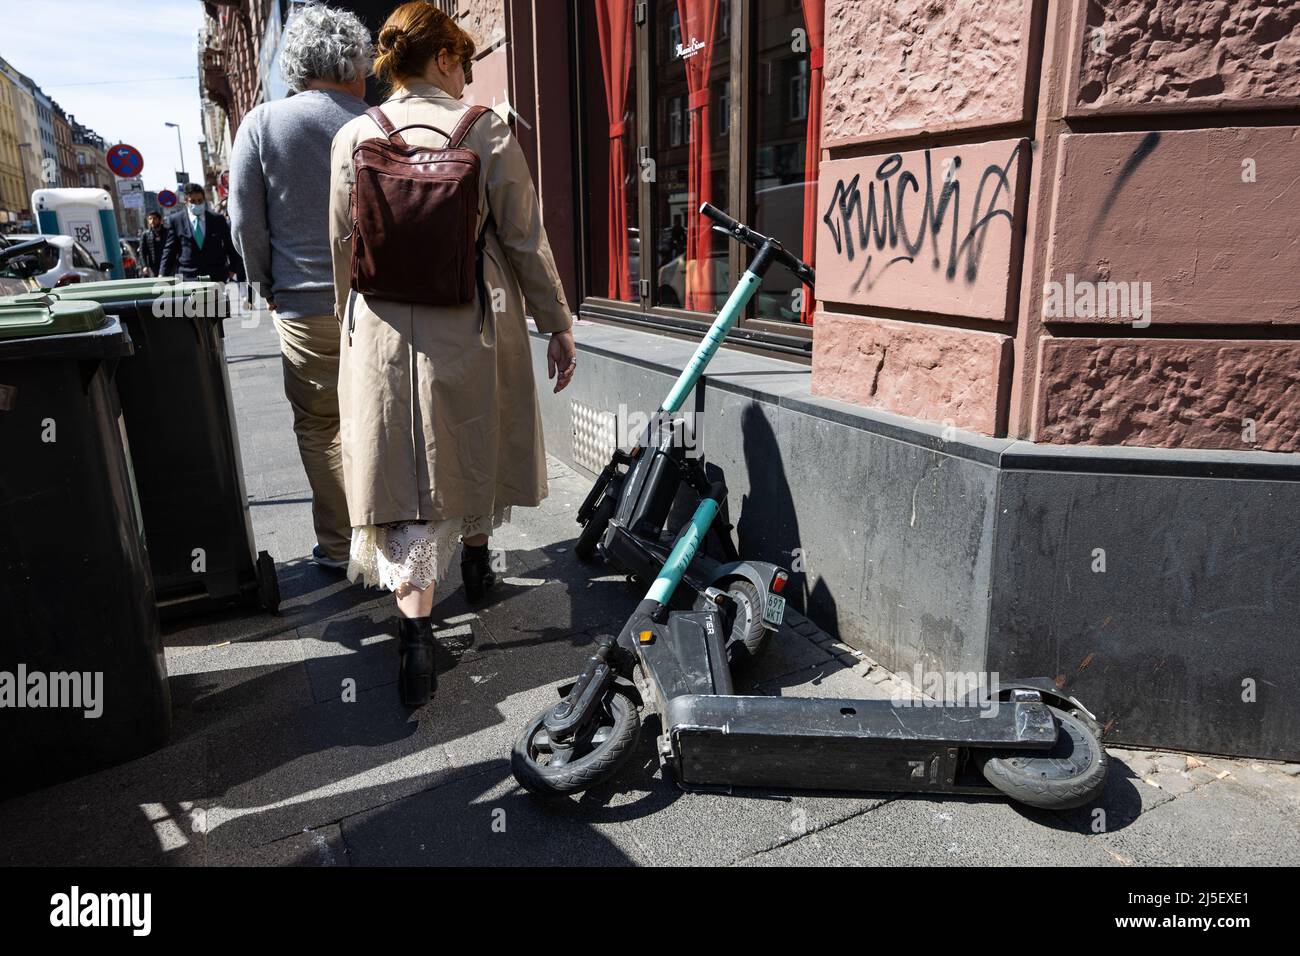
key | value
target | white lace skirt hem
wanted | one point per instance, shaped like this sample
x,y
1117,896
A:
x,y
413,553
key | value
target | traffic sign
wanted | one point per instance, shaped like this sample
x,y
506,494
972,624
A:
x,y
167,199
223,183
125,160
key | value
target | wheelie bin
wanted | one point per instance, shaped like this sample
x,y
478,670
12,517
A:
x,y
83,682
179,415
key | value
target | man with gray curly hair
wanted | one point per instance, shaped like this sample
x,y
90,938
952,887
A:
x,y
279,215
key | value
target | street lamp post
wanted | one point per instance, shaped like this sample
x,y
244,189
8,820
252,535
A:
x,y
179,149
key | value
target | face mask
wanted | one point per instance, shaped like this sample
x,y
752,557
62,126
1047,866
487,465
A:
x,y
197,206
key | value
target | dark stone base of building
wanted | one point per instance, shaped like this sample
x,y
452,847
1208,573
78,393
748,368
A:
x,y
1161,588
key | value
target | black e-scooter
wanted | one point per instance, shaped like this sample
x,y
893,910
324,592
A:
x,y
1023,739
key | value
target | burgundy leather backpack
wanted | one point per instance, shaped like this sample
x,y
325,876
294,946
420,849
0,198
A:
x,y
414,211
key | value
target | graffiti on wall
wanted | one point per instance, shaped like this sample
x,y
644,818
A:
x,y
911,223
899,218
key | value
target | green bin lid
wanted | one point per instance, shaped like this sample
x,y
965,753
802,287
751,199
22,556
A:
x,y
115,291
27,320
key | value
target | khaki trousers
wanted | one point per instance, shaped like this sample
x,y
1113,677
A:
x,y
309,350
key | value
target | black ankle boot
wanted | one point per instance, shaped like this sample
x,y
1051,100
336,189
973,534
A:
x,y
416,679
476,570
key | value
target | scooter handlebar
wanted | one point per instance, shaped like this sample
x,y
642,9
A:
x,y
756,240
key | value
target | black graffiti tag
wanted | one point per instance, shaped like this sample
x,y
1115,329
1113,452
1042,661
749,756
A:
x,y
881,223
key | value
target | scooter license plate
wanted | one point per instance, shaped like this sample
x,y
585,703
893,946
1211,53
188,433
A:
x,y
774,610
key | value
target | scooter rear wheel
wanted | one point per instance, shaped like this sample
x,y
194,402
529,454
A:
x,y
593,758
1071,774
748,633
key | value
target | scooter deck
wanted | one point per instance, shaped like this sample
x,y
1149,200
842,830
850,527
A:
x,y
785,743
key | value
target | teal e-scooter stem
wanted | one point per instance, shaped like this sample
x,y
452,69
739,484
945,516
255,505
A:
x,y
692,534
769,251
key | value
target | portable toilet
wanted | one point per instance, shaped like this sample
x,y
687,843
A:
x,y
87,216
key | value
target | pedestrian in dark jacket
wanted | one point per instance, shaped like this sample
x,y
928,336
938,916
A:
x,y
151,245
198,241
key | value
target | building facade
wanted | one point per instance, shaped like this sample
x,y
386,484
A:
x,y
15,194
63,144
1041,413
49,147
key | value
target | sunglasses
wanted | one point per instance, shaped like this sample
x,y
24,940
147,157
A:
x,y
468,66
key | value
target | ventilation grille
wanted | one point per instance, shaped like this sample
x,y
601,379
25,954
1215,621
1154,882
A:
x,y
595,435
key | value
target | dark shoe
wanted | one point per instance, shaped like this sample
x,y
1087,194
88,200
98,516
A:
x,y
319,556
416,679
476,571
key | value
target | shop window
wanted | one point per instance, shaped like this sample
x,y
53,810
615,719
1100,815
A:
x,y
787,54
697,58
611,170
691,267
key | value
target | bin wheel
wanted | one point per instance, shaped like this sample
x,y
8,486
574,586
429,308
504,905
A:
x,y
594,530
268,585
748,634
596,756
1071,774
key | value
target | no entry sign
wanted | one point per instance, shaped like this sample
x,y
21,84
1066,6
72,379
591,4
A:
x,y
167,199
125,160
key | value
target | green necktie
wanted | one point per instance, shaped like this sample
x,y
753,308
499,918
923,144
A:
x,y
198,231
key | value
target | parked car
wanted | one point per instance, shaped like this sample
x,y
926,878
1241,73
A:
x,y
15,268
131,257
66,261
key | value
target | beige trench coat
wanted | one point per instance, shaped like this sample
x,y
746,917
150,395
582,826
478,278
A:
x,y
438,419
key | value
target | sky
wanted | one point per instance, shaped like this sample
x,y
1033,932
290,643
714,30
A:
x,y
113,64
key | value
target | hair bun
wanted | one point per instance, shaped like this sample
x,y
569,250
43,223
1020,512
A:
x,y
393,39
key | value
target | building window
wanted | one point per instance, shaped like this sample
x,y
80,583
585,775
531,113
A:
x,y
699,59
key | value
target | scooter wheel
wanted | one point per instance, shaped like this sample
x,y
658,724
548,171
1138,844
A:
x,y
594,530
1071,774
748,633
595,757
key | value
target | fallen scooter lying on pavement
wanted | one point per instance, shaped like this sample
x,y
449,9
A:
x,y
1027,741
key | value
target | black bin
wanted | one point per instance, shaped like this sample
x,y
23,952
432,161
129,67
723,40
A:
x,y
176,400
80,630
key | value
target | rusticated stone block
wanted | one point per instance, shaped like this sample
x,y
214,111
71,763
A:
x,y
931,230
484,20
897,67
1204,221
1170,393
1137,56
939,374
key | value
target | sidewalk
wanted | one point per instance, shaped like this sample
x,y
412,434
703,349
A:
x,y
290,745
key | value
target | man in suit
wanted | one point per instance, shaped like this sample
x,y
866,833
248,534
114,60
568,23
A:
x,y
198,241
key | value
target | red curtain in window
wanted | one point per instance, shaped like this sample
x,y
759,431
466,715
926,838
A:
x,y
614,29
699,18
814,18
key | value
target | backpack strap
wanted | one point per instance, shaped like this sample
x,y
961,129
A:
x,y
395,134
467,119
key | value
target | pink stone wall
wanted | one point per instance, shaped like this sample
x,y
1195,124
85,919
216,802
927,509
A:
x,y
484,20
1171,393
1208,219
491,86
930,372
896,67
931,230
1193,232
1158,55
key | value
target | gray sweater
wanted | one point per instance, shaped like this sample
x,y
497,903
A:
x,y
280,195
